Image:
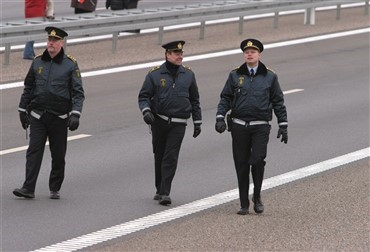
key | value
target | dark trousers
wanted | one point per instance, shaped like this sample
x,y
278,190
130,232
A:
x,y
54,128
249,150
167,139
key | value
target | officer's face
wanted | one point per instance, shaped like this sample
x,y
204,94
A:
x,y
251,56
175,57
54,46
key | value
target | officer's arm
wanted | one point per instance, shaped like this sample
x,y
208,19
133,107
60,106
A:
x,y
195,104
29,84
277,100
146,94
77,91
226,95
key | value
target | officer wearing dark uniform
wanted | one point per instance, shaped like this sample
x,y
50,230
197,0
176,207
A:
x,y
251,92
51,103
168,97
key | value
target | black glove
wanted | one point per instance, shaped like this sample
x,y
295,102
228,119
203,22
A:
x,y
24,119
220,125
283,132
197,130
148,117
74,122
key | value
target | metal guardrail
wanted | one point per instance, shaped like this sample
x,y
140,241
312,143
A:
x,y
93,24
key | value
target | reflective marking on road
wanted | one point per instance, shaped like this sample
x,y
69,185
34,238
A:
x,y
8,151
293,91
123,229
205,56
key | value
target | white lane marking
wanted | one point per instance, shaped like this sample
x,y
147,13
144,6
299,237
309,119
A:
x,y
293,91
204,56
107,234
174,27
8,151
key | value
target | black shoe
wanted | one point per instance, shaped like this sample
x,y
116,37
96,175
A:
x,y
157,197
258,205
54,195
164,200
243,211
23,192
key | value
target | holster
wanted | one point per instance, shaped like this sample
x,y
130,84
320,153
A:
x,y
229,122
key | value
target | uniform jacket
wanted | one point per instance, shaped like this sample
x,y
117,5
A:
x,y
177,98
34,8
53,85
252,98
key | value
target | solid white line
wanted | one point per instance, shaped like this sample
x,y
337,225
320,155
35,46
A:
x,y
205,56
293,91
8,151
123,229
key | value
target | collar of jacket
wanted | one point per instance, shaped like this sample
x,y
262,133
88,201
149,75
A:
x,y
58,58
243,69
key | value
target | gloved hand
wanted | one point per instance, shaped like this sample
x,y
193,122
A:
x,y
23,117
74,122
220,125
148,117
283,132
197,130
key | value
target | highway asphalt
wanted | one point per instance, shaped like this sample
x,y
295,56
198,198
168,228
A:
x,y
326,212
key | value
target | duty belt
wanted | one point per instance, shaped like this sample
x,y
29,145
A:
x,y
251,123
172,119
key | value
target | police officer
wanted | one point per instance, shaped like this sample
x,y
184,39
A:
x,y
251,92
168,97
51,102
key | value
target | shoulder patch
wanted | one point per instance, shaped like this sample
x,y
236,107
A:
x,y
72,58
270,70
154,69
187,68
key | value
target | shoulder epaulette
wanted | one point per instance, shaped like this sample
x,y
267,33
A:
x,y
72,58
270,70
38,55
235,69
154,69
187,67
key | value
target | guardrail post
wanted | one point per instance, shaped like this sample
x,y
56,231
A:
x,y
309,16
114,41
276,20
366,8
65,45
241,25
202,29
160,35
7,54
338,11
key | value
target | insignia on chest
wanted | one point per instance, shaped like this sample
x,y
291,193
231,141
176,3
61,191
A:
x,y
241,81
163,82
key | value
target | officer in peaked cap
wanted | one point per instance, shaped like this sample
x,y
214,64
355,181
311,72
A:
x,y
252,94
50,110
55,32
251,43
175,46
168,98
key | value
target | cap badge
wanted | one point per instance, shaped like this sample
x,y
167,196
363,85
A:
x,y
179,46
249,43
53,33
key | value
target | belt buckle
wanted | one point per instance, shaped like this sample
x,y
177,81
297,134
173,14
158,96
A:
x,y
246,124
